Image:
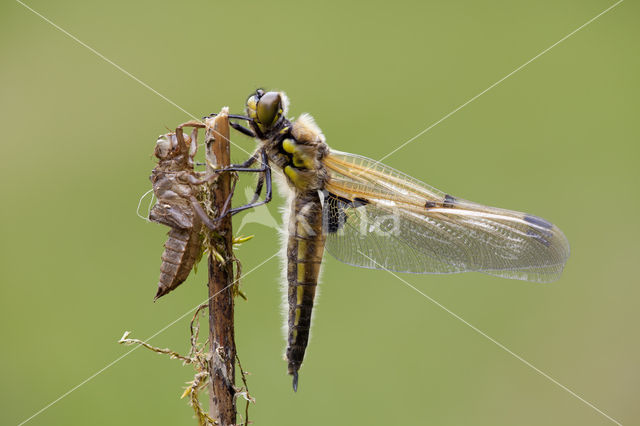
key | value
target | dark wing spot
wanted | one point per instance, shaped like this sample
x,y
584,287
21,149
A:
x,y
430,204
538,221
333,213
449,201
359,202
334,216
336,197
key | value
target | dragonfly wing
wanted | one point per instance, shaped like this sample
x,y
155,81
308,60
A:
x,y
377,217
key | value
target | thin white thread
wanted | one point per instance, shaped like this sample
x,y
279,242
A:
x,y
153,196
108,60
500,345
130,75
88,379
386,156
146,219
500,81
137,211
127,73
100,55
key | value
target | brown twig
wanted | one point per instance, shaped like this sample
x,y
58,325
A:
x,y
221,325
245,392
125,340
197,357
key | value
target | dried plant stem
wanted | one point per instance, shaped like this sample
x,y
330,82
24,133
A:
x,y
221,323
125,340
197,357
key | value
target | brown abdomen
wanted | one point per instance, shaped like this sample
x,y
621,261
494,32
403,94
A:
x,y
304,256
180,254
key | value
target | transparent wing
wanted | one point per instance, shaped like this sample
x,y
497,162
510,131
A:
x,y
377,217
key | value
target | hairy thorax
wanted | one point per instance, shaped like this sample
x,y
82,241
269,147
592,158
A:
x,y
298,152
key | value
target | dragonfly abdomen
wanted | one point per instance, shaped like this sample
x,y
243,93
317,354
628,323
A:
x,y
304,256
181,251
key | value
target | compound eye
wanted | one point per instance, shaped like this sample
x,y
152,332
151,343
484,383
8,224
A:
x,y
252,105
269,108
252,102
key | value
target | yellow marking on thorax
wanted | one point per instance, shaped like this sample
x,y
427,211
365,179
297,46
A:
x,y
288,146
293,175
301,159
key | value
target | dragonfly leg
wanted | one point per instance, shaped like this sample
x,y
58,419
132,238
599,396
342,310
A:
x,y
207,177
236,126
269,188
236,116
264,178
267,197
242,129
258,190
197,208
249,161
206,220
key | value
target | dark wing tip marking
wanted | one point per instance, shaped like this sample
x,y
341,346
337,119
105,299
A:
x,y
541,229
449,201
538,221
538,237
430,204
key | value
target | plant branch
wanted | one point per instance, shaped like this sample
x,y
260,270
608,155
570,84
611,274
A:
x,y
221,308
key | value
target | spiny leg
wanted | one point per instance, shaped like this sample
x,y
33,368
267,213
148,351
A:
x,y
258,190
265,177
250,161
265,171
268,195
243,167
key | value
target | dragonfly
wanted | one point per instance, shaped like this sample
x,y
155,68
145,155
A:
x,y
367,214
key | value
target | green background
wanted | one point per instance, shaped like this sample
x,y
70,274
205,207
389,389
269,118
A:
x,y
557,139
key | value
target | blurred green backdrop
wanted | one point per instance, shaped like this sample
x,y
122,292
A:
x,y
557,139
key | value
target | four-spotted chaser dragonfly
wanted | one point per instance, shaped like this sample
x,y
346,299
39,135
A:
x,y
367,214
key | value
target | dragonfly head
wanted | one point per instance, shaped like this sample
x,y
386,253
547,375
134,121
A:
x,y
267,109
